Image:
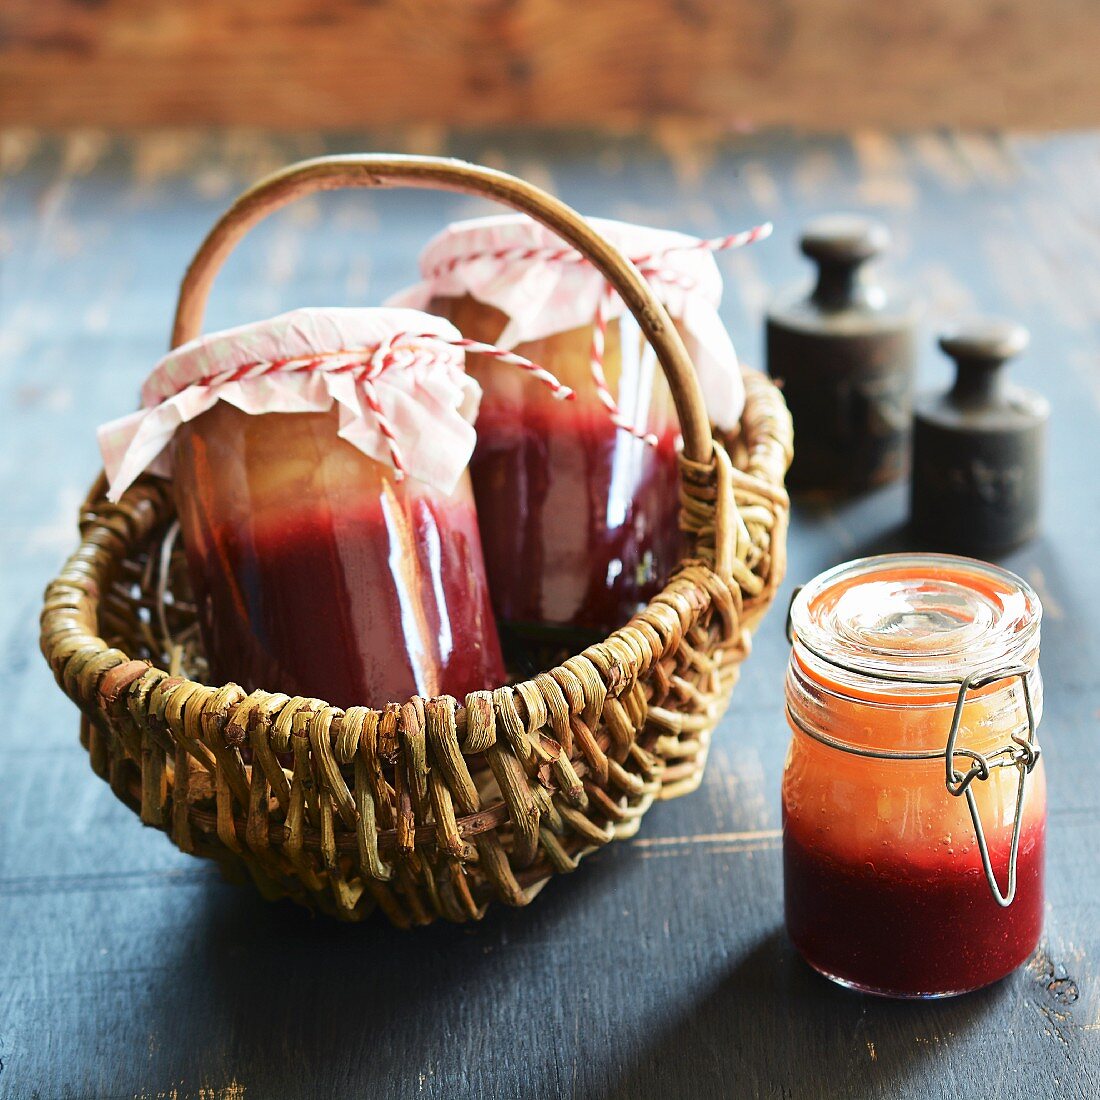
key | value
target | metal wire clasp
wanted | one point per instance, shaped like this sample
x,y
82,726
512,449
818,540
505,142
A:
x,y
1022,754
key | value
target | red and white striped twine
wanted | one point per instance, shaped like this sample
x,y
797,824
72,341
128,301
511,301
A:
x,y
603,391
650,268
568,254
397,352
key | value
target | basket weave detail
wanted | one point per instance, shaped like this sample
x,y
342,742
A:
x,y
432,807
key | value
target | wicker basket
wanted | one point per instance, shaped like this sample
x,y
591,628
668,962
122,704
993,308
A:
x,y
430,807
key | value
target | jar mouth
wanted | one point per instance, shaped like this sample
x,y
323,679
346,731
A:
x,y
909,624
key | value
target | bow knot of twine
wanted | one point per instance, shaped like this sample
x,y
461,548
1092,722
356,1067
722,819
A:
x,y
397,352
649,266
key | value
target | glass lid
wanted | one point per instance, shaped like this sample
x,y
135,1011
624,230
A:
x,y
921,618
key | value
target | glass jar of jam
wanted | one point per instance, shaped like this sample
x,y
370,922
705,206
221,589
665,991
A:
x,y
317,572
598,530
578,503
319,468
914,802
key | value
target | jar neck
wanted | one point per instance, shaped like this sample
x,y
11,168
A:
x,y
881,715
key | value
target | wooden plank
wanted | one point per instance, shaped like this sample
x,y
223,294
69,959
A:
x,y
715,64
660,968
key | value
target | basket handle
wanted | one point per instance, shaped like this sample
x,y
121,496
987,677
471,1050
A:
x,y
445,174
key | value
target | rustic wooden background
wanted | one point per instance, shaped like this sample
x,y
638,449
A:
x,y
660,968
709,65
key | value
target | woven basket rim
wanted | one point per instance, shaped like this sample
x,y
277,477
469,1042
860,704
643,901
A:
x,y
105,681
100,516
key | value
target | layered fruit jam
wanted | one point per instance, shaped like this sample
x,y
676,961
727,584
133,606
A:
x,y
316,573
579,520
884,883
911,927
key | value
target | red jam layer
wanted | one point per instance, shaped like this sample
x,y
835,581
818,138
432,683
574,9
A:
x,y
579,521
360,608
912,930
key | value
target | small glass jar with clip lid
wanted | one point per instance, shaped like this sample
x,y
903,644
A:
x,y
914,802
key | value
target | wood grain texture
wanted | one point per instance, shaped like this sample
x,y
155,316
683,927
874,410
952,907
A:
x,y
659,969
724,64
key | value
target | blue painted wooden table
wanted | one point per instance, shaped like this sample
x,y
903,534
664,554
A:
x,y
659,969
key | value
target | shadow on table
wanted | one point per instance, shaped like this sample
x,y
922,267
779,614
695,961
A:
x,y
279,1003
773,1028
287,1004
